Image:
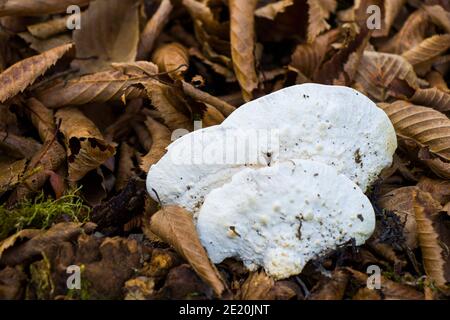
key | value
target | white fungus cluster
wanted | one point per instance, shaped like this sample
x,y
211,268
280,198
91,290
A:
x,y
281,181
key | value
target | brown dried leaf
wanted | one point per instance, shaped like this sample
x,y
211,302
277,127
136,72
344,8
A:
x,y
439,16
271,10
47,44
86,147
164,99
95,88
331,288
380,74
18,146
258,286
36,8
173,58
153,29
161,137
434,242
175,226
391,290
366,294
427,49
436,80
308,57
19,76
49,28
212,117
439,189
49,158
426,126
432,97
11,173
319,11
126,166
242,26
109,33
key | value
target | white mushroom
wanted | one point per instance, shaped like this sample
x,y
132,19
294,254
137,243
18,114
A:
x,y
205,159
335,125
280,217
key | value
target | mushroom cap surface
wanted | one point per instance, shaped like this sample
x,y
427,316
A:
x,y
281,217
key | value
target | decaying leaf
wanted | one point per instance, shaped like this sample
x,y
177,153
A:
x,y
426,126
382,75
242,25
172,58
11,173
94,88
162,137
432,97
153,29
32,7
258,286
175,226
439,189
86,147
19,76
428,49
109,33
319,12
331,288
164,99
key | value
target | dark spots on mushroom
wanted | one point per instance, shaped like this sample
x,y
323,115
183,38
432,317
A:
x,y
233,229
357,156
188,187
298,234
360,217
316,174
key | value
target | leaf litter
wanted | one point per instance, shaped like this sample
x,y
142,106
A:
x,y
86,112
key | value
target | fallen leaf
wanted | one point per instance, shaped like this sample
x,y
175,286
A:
x,y
175,226
319,11
94,88
18,146
331,288
258,286
161,137
153,29
380,73
428,49
86,147
242,25
432,97
109,33
172,58
426,126
439,189
18,77
11,174
31,7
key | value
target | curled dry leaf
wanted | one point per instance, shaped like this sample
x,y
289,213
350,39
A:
x,y
86,147
319,11
49,158
242,25
165,100
49,28
437,81
175,226
95,88
258,286
35,8
271,10
172,58
47,44
390,290
428,49
439,189
382,75
439,16
18,146
153,29
434,242
224,107
109,33
308,57
19,76
331,288
432,97
428,127
11,173
161,137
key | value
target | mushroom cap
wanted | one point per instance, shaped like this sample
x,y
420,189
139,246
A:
x,y
203,160
336,125
282,216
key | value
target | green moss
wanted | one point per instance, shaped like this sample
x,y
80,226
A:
x,y
42,212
